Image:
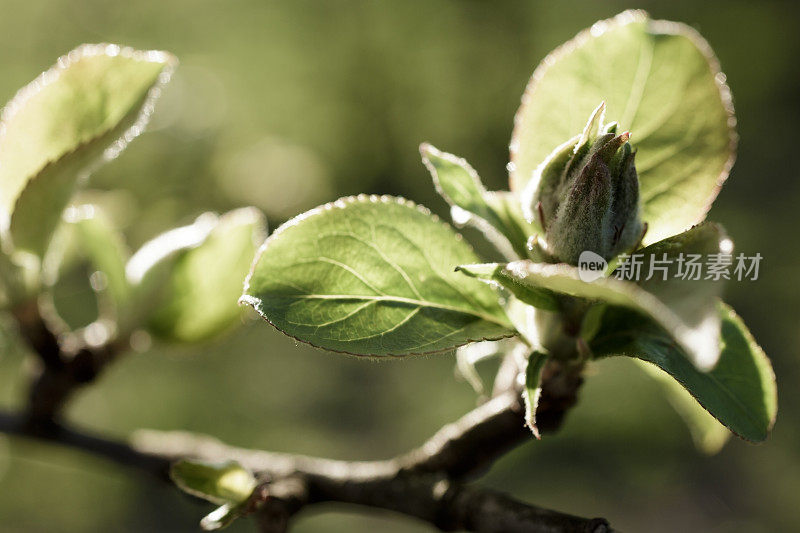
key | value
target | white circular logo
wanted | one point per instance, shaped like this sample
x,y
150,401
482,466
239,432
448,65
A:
x,y
591,266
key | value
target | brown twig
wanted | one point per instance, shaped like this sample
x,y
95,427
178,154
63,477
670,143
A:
x,y
427,483
423,483
62,370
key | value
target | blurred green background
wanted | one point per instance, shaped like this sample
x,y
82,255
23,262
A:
x,y
288,104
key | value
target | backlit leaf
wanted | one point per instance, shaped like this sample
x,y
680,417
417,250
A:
x,y
372,276
199,298
497,214
660,81
82,111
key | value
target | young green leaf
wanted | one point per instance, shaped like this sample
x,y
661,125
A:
x,y
83,110
669,272
166,247
103,245
529,281
523,317
740,391
659,80
508,211
684,306
536,295
228,485
492,213
148,271
219,483
533,388
199,297
372,275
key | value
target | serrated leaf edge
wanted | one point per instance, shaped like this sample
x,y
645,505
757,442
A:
x,y
341,203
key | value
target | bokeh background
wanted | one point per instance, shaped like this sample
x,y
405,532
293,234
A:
x,y
288,104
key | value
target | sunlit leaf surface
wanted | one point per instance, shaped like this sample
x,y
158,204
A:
x,y
660,81
84,110
198,299
220,483
372,276
684,307
497,214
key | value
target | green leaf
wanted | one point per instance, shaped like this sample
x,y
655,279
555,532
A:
x,y
659,80
105,248
536,295
219,483
694,301
523,317
510,218
199,297
82,111
150,268
708,434
157,252
533,389
492,213
739,391
372,276
531,282
685,307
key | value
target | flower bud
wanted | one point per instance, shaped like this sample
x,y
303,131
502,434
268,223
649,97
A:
x,y
585,195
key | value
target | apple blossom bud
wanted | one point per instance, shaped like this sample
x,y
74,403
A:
x,y
585,194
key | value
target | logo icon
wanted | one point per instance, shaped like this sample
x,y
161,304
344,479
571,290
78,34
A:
x,y
591,266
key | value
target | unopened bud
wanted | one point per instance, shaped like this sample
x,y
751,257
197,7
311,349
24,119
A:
x,y
586,194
